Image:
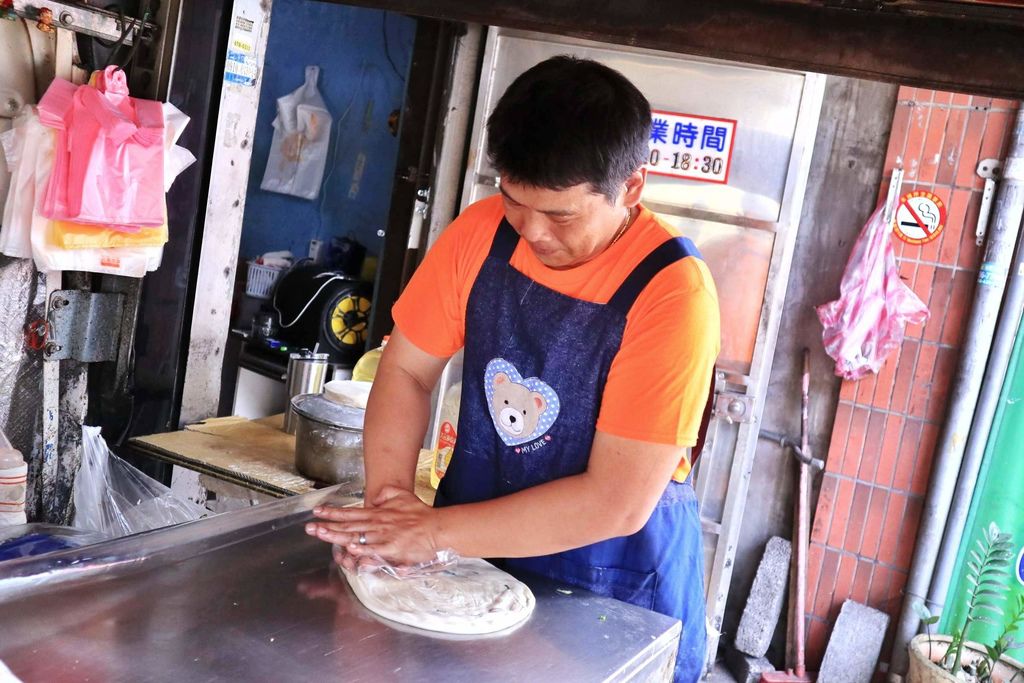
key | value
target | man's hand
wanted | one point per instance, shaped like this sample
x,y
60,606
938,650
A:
x,y
399,529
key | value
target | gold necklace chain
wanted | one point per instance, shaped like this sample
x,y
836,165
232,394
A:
x,y
622,228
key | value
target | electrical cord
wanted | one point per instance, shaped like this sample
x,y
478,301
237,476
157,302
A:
x,y
309,303
133,25
387,47
331,162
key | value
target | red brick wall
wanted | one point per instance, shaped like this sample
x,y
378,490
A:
x,y
887,425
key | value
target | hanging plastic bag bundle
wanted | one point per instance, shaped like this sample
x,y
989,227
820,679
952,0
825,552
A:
x,y
48,238
114,498
97,248
302,137
67,235
109,159
868,320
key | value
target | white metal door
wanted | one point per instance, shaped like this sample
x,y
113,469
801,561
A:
x,y
743,219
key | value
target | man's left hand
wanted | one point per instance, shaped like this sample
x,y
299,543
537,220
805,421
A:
x,y
399,528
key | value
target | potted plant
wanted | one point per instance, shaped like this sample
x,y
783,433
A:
x,y
942,658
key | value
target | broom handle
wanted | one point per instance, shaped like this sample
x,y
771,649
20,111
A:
x,y
803,525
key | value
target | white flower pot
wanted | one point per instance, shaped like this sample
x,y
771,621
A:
x,y
923,668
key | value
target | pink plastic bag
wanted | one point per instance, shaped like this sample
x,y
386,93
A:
x,y
109,163
867,322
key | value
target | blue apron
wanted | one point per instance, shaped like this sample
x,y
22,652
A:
x,y
535,367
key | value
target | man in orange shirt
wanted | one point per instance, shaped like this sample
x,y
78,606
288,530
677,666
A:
x,y
590,330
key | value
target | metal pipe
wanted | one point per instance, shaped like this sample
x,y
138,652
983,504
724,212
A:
x,y
981,427
455,131
788,442
964,393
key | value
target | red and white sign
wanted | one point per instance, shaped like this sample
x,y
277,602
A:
x,y
691,146
920,217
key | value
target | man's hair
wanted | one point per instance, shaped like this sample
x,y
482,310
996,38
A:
x,y
569,121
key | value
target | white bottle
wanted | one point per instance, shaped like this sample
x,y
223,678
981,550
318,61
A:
x,y
13,476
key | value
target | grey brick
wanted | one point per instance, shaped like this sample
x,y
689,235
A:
x,y
767,596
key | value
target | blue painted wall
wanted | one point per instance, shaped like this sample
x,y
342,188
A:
x,y
361,89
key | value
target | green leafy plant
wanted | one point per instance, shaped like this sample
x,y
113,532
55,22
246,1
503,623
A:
x,y
987,571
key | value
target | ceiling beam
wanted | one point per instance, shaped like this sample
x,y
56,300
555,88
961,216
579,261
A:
x,y
958,46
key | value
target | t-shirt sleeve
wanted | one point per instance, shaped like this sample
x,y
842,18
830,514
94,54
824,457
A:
x,y
658,384
431,312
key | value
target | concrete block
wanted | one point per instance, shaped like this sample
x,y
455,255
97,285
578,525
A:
x,y
744,668
856,642
720,674
767,596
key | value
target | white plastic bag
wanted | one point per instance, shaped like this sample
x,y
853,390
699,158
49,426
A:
x,y
28,148
866,323
302,138
114,498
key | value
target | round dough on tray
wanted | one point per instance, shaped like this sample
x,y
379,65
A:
x,y
471,598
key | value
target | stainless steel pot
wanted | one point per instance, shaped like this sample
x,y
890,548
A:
x,y
328,440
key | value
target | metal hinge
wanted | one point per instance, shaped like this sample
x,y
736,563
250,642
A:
x,y
84,326
73,16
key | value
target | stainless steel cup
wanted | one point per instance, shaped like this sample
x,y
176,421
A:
x,y
307,372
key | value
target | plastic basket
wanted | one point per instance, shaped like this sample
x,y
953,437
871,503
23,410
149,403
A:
x,y
260,280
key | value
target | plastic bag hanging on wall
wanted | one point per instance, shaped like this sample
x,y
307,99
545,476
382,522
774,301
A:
x,y
302,135
868,320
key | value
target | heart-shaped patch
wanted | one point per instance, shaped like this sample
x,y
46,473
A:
x,y
522,409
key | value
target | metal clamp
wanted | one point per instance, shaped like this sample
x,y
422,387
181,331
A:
x,y
84,326
734,407
892,195
488,180
90,21
990,170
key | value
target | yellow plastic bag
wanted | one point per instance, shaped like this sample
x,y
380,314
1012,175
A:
x,y
66,235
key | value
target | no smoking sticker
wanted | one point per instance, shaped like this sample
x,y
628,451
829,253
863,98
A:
x,y
920,218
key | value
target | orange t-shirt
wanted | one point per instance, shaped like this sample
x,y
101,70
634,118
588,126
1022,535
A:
x,y
658,383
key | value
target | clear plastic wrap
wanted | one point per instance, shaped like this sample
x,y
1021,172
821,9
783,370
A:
x,y
868,320
114,498
445,559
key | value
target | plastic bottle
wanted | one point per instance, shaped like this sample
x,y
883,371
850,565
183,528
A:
x,y
446,433
13,475
446,418
366,367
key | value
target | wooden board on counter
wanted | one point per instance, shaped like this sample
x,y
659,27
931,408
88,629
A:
x,y
256,454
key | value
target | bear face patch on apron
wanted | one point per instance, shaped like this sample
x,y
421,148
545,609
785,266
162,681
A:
x,y
523,410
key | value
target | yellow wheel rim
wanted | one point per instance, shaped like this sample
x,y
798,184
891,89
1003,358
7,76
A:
x,y
349,320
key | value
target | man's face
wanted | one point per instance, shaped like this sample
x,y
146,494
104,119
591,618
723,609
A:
x,y
566,228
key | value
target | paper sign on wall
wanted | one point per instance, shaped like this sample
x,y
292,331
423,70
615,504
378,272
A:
x,y
241,67
690,146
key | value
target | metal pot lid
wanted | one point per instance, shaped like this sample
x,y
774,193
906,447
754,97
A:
x,y
317,408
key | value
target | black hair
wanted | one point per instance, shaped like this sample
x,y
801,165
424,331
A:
x,y
568,121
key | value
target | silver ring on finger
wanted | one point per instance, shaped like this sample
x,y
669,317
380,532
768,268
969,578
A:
x,y
362,539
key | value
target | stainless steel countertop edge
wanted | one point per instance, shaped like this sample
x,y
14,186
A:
x,y
21,577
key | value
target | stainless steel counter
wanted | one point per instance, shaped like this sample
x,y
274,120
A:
x,y
248,596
